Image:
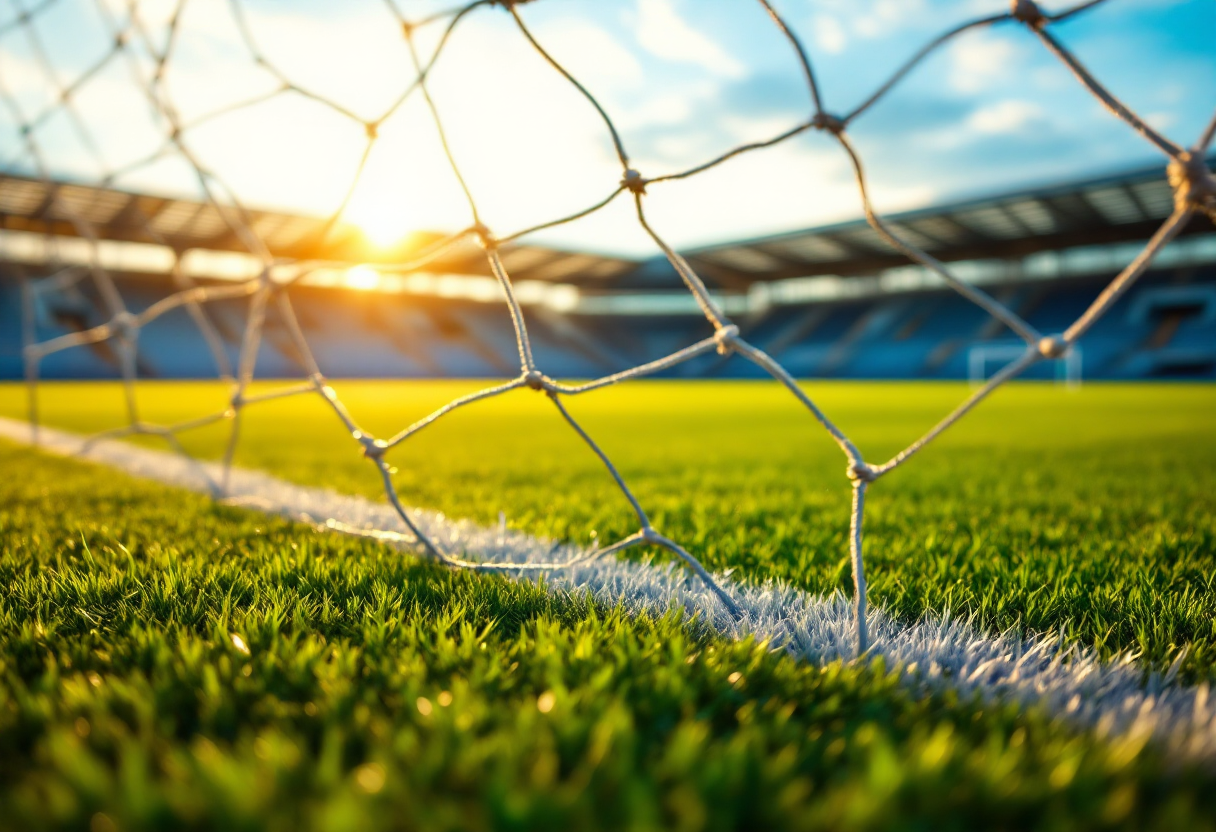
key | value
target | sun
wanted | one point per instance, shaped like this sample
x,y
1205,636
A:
x,y
382,228
384,218
364,278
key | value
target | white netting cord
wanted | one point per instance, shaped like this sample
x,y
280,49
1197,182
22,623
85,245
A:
x,y
1193,183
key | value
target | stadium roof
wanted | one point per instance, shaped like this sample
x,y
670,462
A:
x,y
35,205
1121,208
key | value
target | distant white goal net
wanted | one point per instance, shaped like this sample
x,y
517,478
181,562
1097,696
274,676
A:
x,y
147,39
982,358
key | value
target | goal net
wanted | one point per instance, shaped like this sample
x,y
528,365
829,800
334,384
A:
x,y
147,39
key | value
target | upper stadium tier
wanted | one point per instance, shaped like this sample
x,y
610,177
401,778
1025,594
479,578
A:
x,y
1121,208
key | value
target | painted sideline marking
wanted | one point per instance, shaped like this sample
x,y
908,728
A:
x,y
1118,699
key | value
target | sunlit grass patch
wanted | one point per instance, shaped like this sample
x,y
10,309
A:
x,y
166,662
1090,512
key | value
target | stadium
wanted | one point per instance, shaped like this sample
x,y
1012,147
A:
x,y
515,478
830,302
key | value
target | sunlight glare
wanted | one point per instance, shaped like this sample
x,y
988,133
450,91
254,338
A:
x,y
364,278
382,228
383,217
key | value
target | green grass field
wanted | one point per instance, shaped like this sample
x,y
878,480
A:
x,y
366,698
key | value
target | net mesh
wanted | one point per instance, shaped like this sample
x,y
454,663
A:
x,y
148,53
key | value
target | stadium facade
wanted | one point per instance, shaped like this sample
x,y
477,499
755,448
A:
x,y
829,302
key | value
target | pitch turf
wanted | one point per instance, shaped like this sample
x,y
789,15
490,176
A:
x,y
123,691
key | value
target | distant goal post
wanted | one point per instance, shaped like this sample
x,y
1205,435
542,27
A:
x,y
981,357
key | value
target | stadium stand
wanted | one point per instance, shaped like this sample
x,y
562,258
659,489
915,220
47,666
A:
x,y
833,301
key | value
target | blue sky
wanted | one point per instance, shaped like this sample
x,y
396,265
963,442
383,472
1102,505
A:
x,y
684,79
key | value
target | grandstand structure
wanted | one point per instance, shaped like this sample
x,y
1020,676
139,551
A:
x,y
834,301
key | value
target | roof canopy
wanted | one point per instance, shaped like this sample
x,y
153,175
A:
x,y
75,210
1121,208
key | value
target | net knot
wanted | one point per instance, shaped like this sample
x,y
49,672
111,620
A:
x,y
124,323
372,128
828,123
1193,184
725,336
634,182
859,471
373,448
1053,346
1028,12
485,237
536,380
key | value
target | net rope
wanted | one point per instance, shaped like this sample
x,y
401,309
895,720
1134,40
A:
x,y
1193,186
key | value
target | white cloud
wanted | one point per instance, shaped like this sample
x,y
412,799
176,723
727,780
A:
x,y
1009,116
882,17
980,61
659,108
789,186
829,34
1004,117
1161,121
591,54
25,79
664,33
1171,92
155,15
357,59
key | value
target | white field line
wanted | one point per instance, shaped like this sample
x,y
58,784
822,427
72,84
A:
x,y
1118,700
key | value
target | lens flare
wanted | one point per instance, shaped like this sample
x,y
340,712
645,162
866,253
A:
x,y
363,278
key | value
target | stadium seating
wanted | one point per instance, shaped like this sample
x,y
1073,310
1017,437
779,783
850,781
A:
x,y
1164,328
